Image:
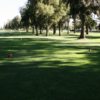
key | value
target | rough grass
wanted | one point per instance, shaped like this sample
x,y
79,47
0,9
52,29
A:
x,y
50,68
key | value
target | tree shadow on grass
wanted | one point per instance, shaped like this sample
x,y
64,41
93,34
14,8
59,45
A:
x,y
32,47
93,37
31,81
5,34
48,80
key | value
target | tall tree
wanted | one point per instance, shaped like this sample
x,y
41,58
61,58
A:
x,y
83,8
25,18
45,10
13,24
89,23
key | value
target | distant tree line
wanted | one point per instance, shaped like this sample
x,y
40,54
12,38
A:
x,y
54,14
13,24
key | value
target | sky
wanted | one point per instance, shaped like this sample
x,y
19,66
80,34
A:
x,y
9,9
95,17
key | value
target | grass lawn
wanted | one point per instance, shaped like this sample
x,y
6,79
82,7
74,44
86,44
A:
x,y
50,68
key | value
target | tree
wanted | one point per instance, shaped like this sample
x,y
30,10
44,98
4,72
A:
x,y
59,15
89,23
13,24
32,4
83,8
46,11
25,18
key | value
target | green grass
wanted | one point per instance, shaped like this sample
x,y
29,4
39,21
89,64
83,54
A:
x,y
52,68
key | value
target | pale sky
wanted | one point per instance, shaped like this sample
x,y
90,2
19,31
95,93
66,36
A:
x,y
9,9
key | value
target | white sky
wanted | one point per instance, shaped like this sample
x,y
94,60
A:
x,y
9,9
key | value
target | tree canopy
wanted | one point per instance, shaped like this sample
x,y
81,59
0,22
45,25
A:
x,y
47,14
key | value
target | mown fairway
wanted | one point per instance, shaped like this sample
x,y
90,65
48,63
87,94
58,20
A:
x,y
52,68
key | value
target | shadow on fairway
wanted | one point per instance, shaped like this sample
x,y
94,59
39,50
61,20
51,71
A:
x,y
25,82
44,79
15,33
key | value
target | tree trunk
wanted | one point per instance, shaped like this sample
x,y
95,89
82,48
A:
x,y
47,30
68,29
36,28
40,30
74,24
99,27
82,35
54,29
33,30
59,29
27,29
87,30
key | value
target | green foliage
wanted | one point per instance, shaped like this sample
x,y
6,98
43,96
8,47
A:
x,y
13,24
54,2
44,9
83,9
60,12
40,14
25,17
90,22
